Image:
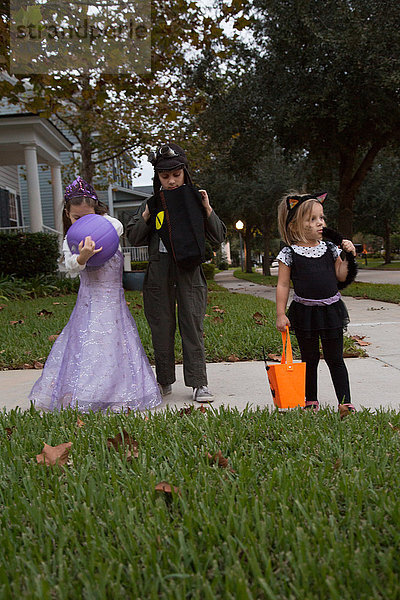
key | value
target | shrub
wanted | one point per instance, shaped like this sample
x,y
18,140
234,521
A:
x,y
209,270
223,265
28,254
39,286
139,265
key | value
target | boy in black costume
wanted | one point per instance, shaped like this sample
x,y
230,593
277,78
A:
x,y
167,283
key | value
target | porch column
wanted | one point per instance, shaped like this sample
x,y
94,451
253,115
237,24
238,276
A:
x,y
58,199
110,200
32,177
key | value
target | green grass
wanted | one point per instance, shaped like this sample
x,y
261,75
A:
x,y
311,511
385,292
378,263
256,277
237,333
234,335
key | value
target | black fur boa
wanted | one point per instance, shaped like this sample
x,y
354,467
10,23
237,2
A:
x,y
352,268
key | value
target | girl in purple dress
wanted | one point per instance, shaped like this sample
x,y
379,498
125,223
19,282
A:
x,y
98,361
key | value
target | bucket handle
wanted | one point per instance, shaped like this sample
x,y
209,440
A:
x,y
288,359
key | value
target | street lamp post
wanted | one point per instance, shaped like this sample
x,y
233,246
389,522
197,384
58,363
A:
x,y
239,226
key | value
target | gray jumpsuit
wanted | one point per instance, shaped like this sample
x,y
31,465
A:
x,y
165,285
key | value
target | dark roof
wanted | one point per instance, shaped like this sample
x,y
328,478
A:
x,y
31,114
146,189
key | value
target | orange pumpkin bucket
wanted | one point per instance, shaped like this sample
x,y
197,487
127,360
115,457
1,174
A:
x,y
287,380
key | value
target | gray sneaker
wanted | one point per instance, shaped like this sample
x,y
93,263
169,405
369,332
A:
x,y
165,390
202,394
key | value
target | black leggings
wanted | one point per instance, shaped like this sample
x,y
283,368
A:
x,y
333,354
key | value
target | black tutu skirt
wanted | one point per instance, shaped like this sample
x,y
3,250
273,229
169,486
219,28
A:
x,y
328,320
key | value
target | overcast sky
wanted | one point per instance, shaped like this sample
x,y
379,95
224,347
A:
x,y
146,173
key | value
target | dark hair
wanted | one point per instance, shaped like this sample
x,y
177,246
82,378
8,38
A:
x,y
99,208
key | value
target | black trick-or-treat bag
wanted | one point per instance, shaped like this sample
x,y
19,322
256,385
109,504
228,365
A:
x,y
178,216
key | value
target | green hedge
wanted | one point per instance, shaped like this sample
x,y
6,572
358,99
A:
x,y
139,265
28,254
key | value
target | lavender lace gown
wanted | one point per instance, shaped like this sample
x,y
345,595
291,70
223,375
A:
x,y
98,361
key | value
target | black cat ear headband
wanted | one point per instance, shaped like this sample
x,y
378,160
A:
x,y
293,203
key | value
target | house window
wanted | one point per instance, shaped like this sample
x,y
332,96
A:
x,y
13,210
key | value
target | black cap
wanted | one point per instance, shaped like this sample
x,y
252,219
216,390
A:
x,y
168,157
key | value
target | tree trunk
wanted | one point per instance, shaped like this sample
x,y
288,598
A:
x,y
351,176
88,168
86,156
346,193
247,250
266,243
388,248
345,217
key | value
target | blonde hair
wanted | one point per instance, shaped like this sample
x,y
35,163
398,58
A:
x,y
295,231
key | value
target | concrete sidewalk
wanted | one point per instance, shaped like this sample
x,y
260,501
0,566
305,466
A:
x,y
375,381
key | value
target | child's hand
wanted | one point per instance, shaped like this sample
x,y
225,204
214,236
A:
x,y
348,246
281,322
206,202
86,250
146,213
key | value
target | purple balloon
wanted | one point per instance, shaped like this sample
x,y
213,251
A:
x,y
102,232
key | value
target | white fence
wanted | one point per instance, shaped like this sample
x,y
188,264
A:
x,y
137,254
14,229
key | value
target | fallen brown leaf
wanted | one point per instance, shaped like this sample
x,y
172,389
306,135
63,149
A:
x,y
56,303
124,440
218,319
52,338
202,409
79,422
186,410
54,455
233,358
359,340
218,309
19,322
27,366
9,431
3,306
259,318
138,306
337,464
37,364
394,428
275,357
167,488
220,460
44,313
